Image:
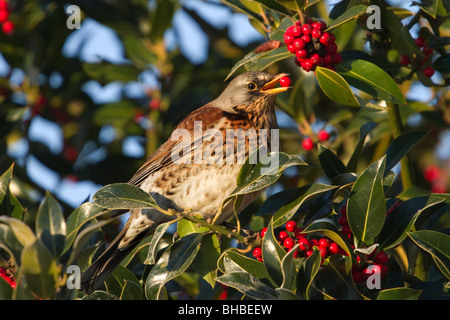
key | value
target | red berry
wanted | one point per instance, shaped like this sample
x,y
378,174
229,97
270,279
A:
x,y
343,210
291,48
307,143
8,27
288,243
314,242
288,38
3,5
291,226
308,253
343,221
336,58
4,15
283,235
325,38
428,72
333,248
323,252
327,59
306,38
404,60
315,58
316,33
298,43
323,135
306,29
296,31
346,230
427,51
263,232
432,173
299,234
257,253
420,42
381,258
303,244
324,242
301,53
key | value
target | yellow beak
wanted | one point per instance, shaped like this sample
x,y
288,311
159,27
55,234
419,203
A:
x,y
269,87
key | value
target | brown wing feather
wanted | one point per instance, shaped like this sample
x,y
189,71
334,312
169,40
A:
x,y
161,158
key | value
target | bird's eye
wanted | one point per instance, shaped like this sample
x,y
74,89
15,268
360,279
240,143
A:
x,y
251,86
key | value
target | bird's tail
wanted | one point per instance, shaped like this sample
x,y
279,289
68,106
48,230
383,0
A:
x,y
94,276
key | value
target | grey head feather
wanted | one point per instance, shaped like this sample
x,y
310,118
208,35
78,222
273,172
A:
x,y
237,92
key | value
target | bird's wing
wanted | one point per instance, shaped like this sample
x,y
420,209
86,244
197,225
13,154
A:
x,y
163,156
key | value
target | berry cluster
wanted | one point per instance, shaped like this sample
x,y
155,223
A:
x,y
293,235
311,45
423,47
4,274
361,270
308,143
7,25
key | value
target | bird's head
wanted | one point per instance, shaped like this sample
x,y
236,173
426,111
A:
x,y
250,89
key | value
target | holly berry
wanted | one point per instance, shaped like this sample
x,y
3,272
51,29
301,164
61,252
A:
x,y
257,252
420,42
303,244
324,243
428,72
291,226
289,243
299,234
263,232
323,135
333,248
404,60
308,144
8,27
313,45
283,235
4,15
285,81
381,258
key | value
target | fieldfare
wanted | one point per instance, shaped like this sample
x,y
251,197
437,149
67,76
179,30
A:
x,y
200,171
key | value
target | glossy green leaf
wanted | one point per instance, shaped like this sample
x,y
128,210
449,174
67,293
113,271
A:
x,y
124,284
5,290
205,263
286,212
399,294
248,285
335,281
232,261
268,170
347,15
366,210
79,217
273,254
335,87
274,6
20,229
371,79
268,59
8,202
308,273
100,295
174,261
437,244
399,223
331,164
154,242
401,146
40,269
363,133
123,196
5,180
288,270
185,227
50,224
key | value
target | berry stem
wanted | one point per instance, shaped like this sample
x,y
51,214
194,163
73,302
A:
x,y
397,129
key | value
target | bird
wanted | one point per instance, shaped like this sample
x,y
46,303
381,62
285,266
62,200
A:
x,y
191,169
